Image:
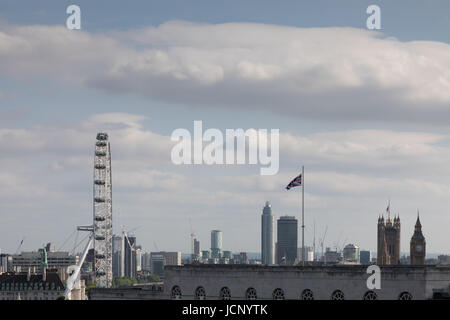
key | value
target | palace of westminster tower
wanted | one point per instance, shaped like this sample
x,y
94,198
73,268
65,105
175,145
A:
x,y
388,242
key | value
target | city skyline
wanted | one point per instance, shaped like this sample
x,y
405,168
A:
x,y
366,112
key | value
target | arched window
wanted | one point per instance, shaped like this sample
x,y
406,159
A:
x,y
278,294
200,293
307,294
250,294
225,293
370,295
405,296
176,293
337,295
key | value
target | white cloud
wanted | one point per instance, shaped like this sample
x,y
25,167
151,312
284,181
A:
x,y
371,149
326,73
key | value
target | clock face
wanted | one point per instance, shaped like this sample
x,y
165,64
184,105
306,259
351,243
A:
x,y
419,248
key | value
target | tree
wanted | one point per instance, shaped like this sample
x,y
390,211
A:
x,y
89,287
123,281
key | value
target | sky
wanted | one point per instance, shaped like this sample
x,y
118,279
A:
x,y
365,111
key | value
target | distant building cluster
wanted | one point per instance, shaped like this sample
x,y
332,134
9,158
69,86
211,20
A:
x,y
131,261
216,254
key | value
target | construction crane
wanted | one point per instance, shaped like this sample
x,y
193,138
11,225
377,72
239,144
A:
x,y
322,242
20,245
73,282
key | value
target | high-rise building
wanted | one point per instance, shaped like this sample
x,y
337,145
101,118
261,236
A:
x,y
388,247
117,255
130,257
138,258
216,244
146,262
196,247
267,239
287,240
364,257
417,245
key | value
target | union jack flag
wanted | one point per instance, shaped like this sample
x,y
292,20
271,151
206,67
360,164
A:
x,y
295,183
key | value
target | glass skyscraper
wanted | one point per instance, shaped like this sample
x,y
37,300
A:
x,y
287,240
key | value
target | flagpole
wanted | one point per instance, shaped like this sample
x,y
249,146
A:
x,y
303,215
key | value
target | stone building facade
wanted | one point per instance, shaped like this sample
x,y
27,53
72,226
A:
x,y
388,241
348,282
47,286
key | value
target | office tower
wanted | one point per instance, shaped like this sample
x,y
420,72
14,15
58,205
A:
x,y
417,245
116,256
388,248
216,244
146,262
130,257
196,247
287,239
364,257
138,258
267,240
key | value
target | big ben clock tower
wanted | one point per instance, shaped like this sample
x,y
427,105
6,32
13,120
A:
x,y
417,245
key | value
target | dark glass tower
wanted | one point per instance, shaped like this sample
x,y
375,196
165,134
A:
x,y
287,240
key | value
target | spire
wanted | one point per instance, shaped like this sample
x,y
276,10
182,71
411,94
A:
x,y
418,229
418,225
